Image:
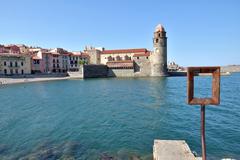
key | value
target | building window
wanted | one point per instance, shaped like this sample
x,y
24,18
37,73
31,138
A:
x,y
126,57
53,65
137,57
16,71
147,57
11,71
156,40
22,71
36,61
5,63
10,64
5,71
118,58
22,63
53,60
110,58
16,64
57,61
57,65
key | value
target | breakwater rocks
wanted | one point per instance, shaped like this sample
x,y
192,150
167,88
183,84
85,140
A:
x,y
70,150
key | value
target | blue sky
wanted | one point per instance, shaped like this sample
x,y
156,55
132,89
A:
x,y
200,32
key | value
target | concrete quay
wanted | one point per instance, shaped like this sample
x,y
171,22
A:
x,y
172,150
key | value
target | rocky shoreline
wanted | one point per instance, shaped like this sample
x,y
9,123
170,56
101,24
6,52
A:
x,y
69,150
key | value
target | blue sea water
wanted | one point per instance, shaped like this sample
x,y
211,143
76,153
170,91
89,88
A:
x,y
108,118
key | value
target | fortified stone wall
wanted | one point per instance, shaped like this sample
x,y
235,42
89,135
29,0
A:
x,y
120,72
142,67
95,71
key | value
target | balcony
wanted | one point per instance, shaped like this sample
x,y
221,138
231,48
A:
x,y
13,66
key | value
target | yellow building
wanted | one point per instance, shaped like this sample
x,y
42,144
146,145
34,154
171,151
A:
x,y
15,64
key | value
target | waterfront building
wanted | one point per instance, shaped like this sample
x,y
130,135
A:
x,y
40,61
15,64
60,60
76,59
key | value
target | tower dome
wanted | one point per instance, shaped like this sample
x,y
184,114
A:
x,y
159,28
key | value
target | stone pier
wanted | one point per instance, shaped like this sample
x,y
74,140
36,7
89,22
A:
x,y
172,150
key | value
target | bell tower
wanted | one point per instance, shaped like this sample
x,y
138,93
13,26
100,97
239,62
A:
x,y
159,55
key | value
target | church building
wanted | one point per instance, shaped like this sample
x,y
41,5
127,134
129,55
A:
x,y
138,62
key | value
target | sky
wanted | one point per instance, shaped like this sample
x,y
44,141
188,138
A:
x,y
200,32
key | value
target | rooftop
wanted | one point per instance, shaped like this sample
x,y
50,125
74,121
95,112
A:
x,y
117,51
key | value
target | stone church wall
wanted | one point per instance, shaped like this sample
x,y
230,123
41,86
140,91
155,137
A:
x,y
120,72
95,71
142,67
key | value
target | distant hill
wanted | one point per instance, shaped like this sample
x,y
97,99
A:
x,y
230,68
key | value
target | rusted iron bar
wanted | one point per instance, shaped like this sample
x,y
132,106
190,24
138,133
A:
x,y
203,132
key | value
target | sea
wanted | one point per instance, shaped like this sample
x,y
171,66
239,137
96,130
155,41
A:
x,y
115,118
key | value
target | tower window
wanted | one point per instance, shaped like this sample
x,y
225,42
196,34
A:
x,y
156,40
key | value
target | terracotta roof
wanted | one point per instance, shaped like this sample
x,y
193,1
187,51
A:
x,y
85,55
119,51
120,64
55,53
142,54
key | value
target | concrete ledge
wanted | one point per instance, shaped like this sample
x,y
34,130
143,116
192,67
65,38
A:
x,y
172,150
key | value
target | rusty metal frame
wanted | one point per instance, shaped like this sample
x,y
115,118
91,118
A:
x,y
214,100
194,71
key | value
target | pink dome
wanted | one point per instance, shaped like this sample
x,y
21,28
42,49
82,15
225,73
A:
x,y
159,28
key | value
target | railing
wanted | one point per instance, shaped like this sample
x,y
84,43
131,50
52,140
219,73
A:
x,y
13,66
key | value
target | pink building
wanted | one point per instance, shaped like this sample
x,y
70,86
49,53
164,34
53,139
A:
x,y
12,49
42,62
54,61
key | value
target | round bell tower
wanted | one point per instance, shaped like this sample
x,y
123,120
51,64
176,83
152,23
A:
x,y
159,55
